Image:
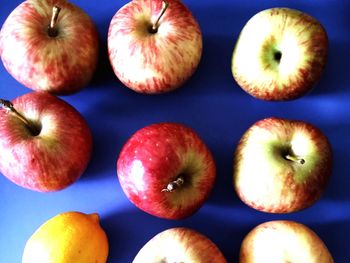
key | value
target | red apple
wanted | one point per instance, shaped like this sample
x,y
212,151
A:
x,y
166,170
283,241
280,54
49,46
154,46
282,165
180,245
45,143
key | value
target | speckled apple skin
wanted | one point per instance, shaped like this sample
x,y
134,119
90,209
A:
x,y
158,154
154,63
56,157
283,241
61,65
302,42
180,244
266,181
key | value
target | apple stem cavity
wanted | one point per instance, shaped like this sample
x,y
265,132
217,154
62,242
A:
x,y
174,185
295,159
7,105
52,30
154,28
277,56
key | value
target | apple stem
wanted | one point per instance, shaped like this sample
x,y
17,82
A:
x,y
52,31
174,185
295,159
155,25
7,105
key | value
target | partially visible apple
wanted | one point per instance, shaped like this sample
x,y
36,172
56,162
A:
x,y
281,165
49,46
154,46
280,54
283,241
180,245
45,144
166,170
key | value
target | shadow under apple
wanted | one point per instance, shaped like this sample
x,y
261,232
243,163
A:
x,y
102,160
337,188
336,237
336,72
104,74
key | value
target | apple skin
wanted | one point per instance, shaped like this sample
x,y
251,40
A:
x,y
283,241
180,245
51,160
159,154
154,62
60,65
266,180
280,54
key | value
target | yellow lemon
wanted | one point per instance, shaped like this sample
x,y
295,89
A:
x,y
70,237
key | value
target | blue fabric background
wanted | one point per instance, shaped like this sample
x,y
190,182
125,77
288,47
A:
x,y
211,103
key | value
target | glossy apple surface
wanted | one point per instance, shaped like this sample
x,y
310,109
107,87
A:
x,y
62,62
51,157
166,170
180,245
283,241
154,60
281,165
280,54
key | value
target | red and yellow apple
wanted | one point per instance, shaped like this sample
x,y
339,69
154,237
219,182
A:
x,y
280,54
281,165
45,143
283,241
166,170
154,46
49,46
180,245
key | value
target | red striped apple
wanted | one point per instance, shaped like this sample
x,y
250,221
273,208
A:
x,y
154,46
45,143
280,54
166,170
281,165
283,241
180,245
49,46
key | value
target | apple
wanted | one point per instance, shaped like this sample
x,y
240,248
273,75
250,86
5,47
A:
x,y
283,241
154,46
280,54
45,143
49,46
281,165
180,244
166,170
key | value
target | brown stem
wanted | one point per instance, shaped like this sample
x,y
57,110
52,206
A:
x,y
174,185
52,30
154,28
295,159
6,104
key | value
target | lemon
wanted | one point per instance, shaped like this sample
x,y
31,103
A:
x,y
70,237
